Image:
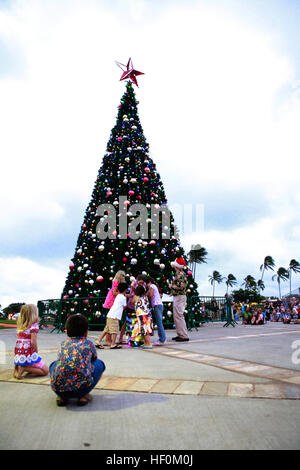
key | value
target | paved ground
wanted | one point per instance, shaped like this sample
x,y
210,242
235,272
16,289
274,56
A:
x,y
228,388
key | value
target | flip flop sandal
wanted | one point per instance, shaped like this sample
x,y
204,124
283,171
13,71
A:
x,y
117,346
99,346
81,402
61,402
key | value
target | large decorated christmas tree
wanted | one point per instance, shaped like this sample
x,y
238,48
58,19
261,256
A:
x,y
127,225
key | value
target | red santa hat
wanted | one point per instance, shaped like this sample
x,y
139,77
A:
x,y
179,263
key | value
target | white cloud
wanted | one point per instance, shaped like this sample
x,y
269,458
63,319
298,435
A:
x,y
241,251
206,106
23,280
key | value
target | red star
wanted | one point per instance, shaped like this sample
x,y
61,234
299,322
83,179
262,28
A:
x,y
129,72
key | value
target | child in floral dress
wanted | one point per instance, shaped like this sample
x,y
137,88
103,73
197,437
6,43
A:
x,y
27,358
143,326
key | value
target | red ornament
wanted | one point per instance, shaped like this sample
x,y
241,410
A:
x,y
189,273
131,193
99,279
128,72
71,266
124,260
145,179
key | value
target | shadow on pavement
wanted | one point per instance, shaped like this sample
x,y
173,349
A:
x,y
115,402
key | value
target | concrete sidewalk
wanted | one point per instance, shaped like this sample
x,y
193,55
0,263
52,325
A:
x,y
228,388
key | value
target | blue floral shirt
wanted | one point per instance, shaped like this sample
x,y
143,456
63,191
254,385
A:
x,y
74,369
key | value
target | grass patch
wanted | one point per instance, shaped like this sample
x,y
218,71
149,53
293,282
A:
x,y
4,321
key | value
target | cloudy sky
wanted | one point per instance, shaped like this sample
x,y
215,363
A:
x,y
219,105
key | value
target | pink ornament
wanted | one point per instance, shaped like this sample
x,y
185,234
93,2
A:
x,y
147,170
71,266
131,193
189,273
126,203
145,179
109,193
119,139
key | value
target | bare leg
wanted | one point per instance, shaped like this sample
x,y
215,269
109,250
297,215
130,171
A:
x,y
113,340
108,339
123,329
147,340
103,334
35,370
17,372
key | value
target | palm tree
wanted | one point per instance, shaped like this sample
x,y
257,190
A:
x,y
295,267
215,277
230,281
281,275
268,263
197,255
249,282
261,285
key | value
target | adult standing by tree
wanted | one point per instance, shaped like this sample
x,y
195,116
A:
x,y
178,291
158,308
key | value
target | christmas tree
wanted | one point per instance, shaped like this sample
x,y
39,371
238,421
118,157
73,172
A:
x,y
112,237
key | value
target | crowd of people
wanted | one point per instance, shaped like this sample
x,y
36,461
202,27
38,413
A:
x,y
77,369
136,306
276,310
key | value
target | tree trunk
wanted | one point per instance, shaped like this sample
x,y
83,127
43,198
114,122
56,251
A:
x,y
262,276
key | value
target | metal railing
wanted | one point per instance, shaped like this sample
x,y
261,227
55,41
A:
x,y
54,312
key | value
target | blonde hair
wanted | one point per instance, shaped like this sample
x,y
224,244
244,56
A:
x,y
28,315
120,276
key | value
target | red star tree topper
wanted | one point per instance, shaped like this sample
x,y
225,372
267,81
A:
x,y
129,72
